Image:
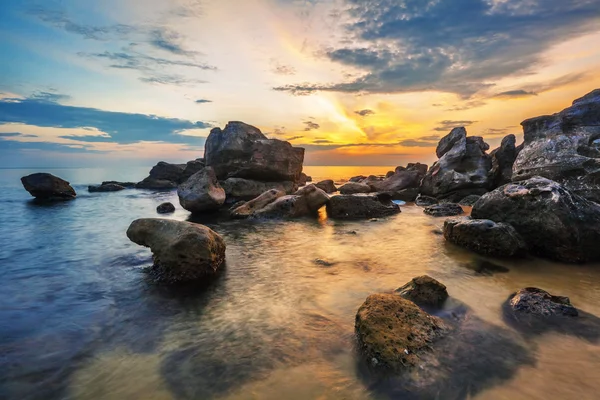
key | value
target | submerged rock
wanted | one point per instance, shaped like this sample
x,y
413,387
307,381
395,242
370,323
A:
x,y
424,290
165,208
109,187
327,186
245,189
394,334
424,201
444,210
201,192
485,237
355,187
554,222
248,208
182,251
46,186
361,206
541,303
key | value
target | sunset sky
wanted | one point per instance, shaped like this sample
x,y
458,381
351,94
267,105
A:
x,y
374,82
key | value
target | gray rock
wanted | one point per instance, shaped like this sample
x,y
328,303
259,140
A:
x,y
109,187
327,186
248,208
541,303
444,210
245,189
355,187
165,208
201,192
191,168
446,144
48,187
424,201
406,195
409,177
360,206
424,290
163,176
470,200
127,185
357,178
503,159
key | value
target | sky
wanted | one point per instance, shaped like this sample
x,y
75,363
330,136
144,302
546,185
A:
x,y
355,82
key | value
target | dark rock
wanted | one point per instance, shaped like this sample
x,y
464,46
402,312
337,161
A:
x,y
564,147
485,237
248,208
48,187
156,184
327,186
503,159
357,178
389,173
201,192
470,200
444,210
424,201
309,179
406,195
360,206
302,179
182,251
409,177
306,201
554,222
191,168
163,176
541,303
315,197
245,189
446,144
109,187
355,187
242,151
424,290
165,208
324,263
127,185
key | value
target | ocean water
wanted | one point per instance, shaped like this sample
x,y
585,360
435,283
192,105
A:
x,y
79,319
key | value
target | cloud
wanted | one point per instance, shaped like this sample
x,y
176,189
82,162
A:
x,y
467,105
429,138
118,127
13,145
202,101
365,112
447,125
284,70
16,134
50,97
310,126
417,143
459,47
294,138
168,40
321,141
514,94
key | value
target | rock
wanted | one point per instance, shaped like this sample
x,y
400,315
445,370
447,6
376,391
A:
x,y
191,168
469,200
462,169
564,147
182,251
503,159
302,179
327,186
156,184
127,185
394,334
245,189
424,201
242,151
289,206
409,177
309,179
165,208
315,197
248,208
406,195
357,178
48,187
355,187
389,173
109,187
360,206
444,210
424,290
201,192
554,222
324,263
541,303
485,237
163,176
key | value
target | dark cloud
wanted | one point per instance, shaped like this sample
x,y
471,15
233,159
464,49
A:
x,y
365,112
514,93
168,40
16,134
417,143
13,145
310,126
121,127
51,97
284,70
202,101
447,125
457,46
429,138
321,141
294,138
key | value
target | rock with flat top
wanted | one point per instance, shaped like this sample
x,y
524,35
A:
x,y
48,187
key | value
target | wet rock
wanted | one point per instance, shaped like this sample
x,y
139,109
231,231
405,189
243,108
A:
x,y
361,206
324,263
409,177
355,187
48,187
201,192
315,198
406,195
191,168
289,206
424,201
564,147
327,186
163,176
541,303
109,187
503,159
242,151
165,208
485,237
444,210
245,189
182,251
470,200
394,334
424,290
127,185
248,208
554,222
357,178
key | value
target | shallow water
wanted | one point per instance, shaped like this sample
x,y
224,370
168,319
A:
x,y
78,319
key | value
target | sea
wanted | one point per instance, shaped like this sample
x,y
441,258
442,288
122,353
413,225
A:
x,y
79,318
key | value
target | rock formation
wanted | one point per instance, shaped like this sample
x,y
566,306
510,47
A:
x,y
327,186
246,189
361,206
48,187
398,184
503,159
163,176
444,210
201,192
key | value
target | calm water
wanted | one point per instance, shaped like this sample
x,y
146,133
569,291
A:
x,y
78,320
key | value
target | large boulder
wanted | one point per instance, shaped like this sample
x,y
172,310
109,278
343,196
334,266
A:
x,y
327,186
163,176
403,178
242,151
191,168
424,290
109,187
361,206
394,334
485,237
463,167
554,222
201,192
182,251
248,208
47,186
564,147
540,303
355,187
503,159
245,189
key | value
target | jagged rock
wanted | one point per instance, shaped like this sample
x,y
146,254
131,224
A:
x,y
201,192
191,168
470,200
245,189
424,290
406,195
564,147
554,222
248,208
165,208
424,201
462,169
355,187
409,177
327,186
503,159
163,176
242,151
182,251
541,303
485,237
360,206
444,210
109,187
306,201
394,334
46,186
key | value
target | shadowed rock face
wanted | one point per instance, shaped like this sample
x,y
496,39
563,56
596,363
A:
x,y
424,290
327,186
360,206
201,192
242,151
541,303
554,222
163,176
503,159
245,189
401,179
564,147
47,186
